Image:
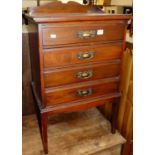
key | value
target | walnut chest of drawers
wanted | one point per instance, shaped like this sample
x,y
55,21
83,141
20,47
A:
x,y
76,53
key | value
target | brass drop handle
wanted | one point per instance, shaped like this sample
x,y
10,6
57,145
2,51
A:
x,y
85,55
87,34
85,92
85,74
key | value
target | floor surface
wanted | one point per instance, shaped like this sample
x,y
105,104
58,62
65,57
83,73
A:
x,y
81,133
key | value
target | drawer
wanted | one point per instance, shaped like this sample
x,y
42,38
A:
x,y
77,92
81,73
86,32
82,55
85,104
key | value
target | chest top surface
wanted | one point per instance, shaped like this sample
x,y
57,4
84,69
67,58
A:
x,y
71,11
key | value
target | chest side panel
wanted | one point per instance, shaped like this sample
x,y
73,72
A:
x,y
35,58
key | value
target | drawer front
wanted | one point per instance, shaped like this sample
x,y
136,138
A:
x,y
85,104
81,55
81,74
77,93
61,34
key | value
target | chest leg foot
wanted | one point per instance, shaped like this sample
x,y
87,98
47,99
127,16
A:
x,y
44,122
114,115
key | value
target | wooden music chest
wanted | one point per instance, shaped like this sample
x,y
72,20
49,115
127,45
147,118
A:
x,y
76,55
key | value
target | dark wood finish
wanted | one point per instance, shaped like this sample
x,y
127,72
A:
x,y
82,105
62,95
111,31
27,96
114,114
64,43
44,122
69,56
70,11
76,105
59,7
81,73
35,59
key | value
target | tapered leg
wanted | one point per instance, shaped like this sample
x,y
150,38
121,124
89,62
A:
x,y
114,115
44,123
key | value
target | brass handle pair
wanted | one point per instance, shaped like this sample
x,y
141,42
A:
x,y
87,34
85,55
85,74
85,92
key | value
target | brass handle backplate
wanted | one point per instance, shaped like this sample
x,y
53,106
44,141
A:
x,y
85,55
85,74
87,34
85,92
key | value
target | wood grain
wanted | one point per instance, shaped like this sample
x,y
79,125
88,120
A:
x,y
70,11
125,117
28,108
61,57
69,94
35,61
111,31
27,97
60,7
127,71
51,37
66,132
70,75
